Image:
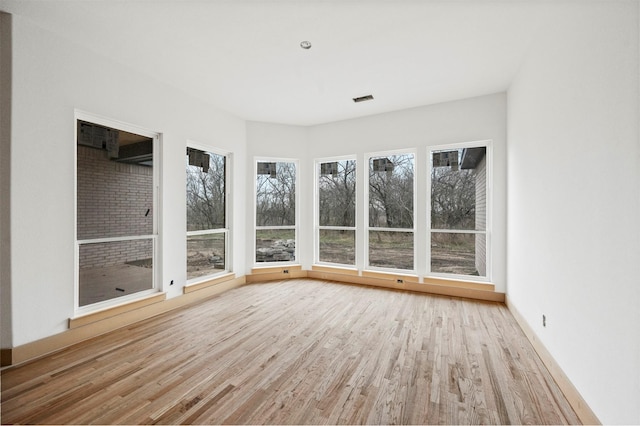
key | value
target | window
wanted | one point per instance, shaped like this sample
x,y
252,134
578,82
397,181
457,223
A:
x,y
116,220
276,211
390,232
207,232
336,212
458,184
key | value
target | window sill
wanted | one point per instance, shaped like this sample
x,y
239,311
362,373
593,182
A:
x,y
396,277
275,269
477,285
271,273
208,283
398,281
335,269
113,311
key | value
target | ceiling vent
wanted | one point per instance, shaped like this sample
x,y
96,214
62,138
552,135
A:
x,y
363,98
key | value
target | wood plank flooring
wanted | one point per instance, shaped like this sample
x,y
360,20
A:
x,y
297,352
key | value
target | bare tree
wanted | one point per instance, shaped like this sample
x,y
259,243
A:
x,y
206,195
276,196
391,193
453,198
336,196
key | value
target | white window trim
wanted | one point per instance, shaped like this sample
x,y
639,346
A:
x,y
295,227
316,216
156,237
367,158
488,144
228,246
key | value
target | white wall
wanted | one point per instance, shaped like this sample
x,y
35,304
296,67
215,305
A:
x,y
265,140
51,78
466,120
574,200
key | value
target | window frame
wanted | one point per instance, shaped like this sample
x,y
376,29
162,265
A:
x,y
367,228
488,145
226,231
294,227
156,234
316,213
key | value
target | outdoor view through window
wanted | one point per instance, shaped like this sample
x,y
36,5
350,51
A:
x,y
391,234
276,212
337,212
459,211
206,213
115,213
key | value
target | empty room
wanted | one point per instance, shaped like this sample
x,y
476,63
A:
x,y
304,212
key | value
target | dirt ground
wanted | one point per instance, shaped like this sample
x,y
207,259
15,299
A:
x,y
205,257
458,260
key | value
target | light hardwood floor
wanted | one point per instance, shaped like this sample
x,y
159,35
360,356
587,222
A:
x,y
297,352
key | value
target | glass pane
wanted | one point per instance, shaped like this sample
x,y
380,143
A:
x,y
115,183
462,254
459,189
205,255
276,194
115,269
276,245
391,249
337,193
205,190
391,191
337,246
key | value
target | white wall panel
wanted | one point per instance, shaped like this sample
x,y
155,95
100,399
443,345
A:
x,y
574,188
51,78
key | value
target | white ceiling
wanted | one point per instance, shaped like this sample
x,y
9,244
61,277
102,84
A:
x,y
244,56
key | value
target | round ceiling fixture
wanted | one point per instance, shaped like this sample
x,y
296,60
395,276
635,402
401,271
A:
x,y
305,44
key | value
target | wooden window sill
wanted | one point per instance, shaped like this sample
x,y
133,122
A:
x,y
208,283
112,311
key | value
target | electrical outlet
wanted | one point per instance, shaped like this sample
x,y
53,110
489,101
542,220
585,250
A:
x,y
400,281
285,271
544,320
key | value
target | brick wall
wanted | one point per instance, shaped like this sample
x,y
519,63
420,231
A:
x,y
113,199
114,253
